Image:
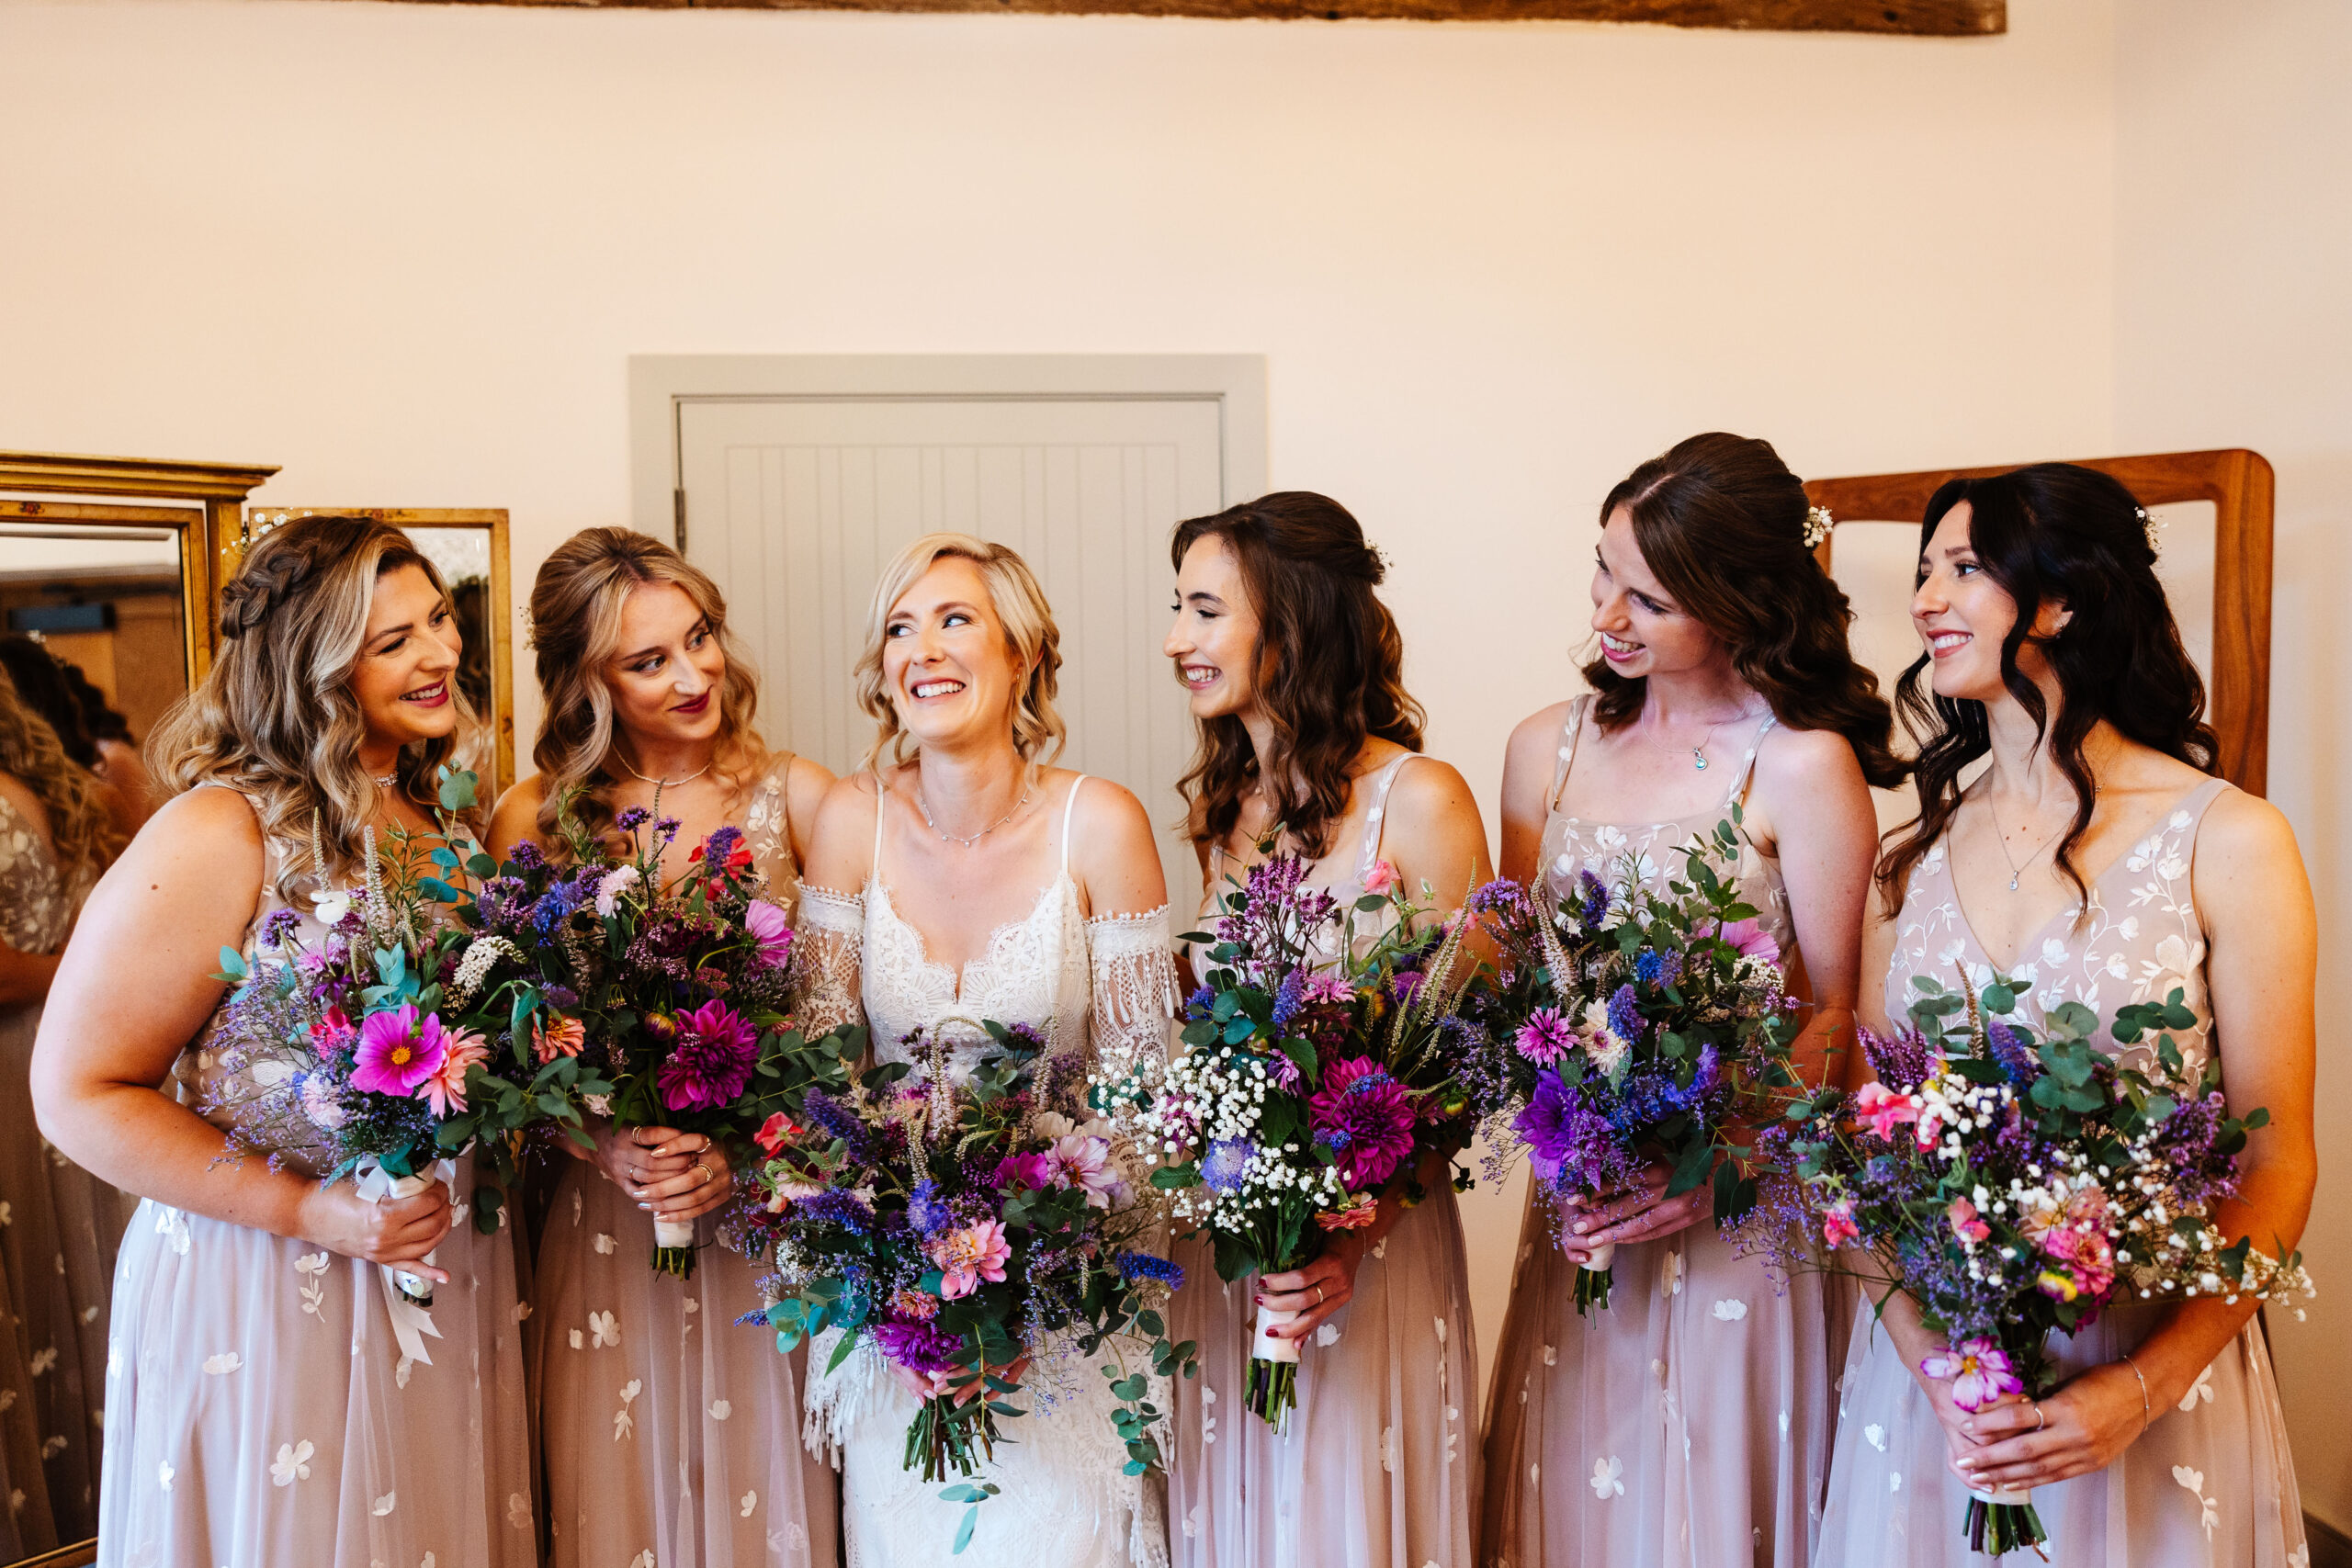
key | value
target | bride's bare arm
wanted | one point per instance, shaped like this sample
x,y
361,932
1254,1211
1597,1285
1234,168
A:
x,y
132,990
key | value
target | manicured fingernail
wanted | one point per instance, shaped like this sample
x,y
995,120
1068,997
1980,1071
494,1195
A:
x,y
1580,1227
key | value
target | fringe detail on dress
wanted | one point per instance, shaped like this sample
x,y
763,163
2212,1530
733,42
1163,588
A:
x,y
836,1401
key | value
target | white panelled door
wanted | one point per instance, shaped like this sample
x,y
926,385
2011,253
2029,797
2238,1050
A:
x,y
794,504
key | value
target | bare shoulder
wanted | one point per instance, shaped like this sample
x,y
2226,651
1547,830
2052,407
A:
x,y
807,780
1538,737
517,815
1425,791
1790,758
1109,813
2244,835
210,837
1113,850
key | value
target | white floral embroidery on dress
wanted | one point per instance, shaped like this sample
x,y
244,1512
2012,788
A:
x,y
1327,1334
312,1266
226,1362
1731,1309
750,1501
604,1244
720,1410
43,1359
1208,1415
579,1340
1551,1356
1608,1478
518,1511
1388,1455
1669,1279
385,1504
2203,1388
2193,1482
605,1329
163,1473
1875,1434
624,1423
293,1463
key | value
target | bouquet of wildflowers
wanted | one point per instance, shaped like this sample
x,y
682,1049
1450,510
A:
x,y
673,989
959,1229
1628,1026
386,1050
2014,1185
1306,1087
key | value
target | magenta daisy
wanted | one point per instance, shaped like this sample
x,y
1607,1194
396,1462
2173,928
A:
x,y
1545,1037
397,1051
712,1060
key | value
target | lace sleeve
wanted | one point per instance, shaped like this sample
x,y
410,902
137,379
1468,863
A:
x,y
1133,964
825,970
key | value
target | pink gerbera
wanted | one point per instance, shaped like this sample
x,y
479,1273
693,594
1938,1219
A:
x,y
1980,1372
445,1087
398,1051
967,1257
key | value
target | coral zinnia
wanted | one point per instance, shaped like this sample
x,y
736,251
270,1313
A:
x,y
398,1051
716,1049
445,1087
968,1256
1366,1117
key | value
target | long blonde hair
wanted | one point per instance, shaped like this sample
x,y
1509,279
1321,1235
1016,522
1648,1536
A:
x,y
81,829
576,603
1030,635
273,719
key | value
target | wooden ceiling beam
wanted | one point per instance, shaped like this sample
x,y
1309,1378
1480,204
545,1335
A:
x,y
1931,18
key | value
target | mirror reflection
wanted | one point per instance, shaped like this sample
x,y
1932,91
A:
x,y
94,650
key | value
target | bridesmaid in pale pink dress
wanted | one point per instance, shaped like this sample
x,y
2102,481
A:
x,y
1687,1422
2094,861
669,1432
259,1408
1293,668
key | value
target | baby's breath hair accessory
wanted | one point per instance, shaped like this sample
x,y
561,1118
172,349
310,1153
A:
x,y
530,628
1818,524
2153,528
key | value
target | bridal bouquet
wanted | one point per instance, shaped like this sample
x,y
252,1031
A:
x,y
1306,1087
961,1230
383,1050
1629,1026
2015,1185
673,990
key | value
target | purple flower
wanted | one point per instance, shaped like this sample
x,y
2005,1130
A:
x,y
1592,900
1288,997
278,926
1624,1017
1652,967
628,821
712,1060
835,1206
924,1210
1324,989
1227,1162
1406,984
525,856
1366,1117
1573,1147
1029,1171
1900,1059
1148,1266
720,844
1501,896
922,1347
1545,1037
667,827
2016,1059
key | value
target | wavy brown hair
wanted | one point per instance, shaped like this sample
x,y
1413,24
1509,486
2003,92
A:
x,y
2056,532
1721,521
1331,670
81,829
273,719
576,630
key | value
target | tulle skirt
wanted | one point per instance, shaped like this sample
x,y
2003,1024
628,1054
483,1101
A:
x,y
670,1433
1378,1465
260,1410
2210,1485
1687,1423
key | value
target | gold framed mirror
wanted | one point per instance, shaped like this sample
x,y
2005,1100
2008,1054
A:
x,y
467,546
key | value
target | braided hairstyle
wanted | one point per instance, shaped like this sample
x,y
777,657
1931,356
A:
x,y
1331,666
1721,521
275,718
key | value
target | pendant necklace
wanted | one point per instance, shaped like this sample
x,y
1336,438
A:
x,y
2017,870
665,783
1699,752
968,841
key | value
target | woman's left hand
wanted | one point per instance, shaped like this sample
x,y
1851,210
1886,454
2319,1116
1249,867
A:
x,y
1640,1212
1316,1291
2082,1428
703,1185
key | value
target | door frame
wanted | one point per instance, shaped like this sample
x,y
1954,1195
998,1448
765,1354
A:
x,y
661,385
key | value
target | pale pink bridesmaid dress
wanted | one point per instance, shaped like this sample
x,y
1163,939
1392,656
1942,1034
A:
x,y
2210,1484
1379,1463
1688,1423
671,1434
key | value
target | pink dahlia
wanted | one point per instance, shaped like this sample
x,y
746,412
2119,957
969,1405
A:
x,y
711,1060
1083,1161
967,1257
1365,1118
773,933
445,1087
1545,1037
1979,1373
398,1051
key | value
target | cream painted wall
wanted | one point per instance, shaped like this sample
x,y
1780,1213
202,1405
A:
x,y
405,250
2233,222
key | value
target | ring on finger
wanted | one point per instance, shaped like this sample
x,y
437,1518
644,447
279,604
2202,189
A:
x,y
1318,1295
705,1173
2040,1420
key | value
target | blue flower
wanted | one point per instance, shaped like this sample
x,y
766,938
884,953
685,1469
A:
x,y
1655,968
1288,997
1624,1017
1198,1004
925,1211
1593,894
1144,1266
1226,1164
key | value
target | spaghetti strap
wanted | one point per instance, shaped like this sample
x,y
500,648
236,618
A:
x,y
1739,796
881,794
1376,818
1567,751
1070,808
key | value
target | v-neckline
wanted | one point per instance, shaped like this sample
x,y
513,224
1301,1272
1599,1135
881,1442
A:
x,y
955,973
2090,884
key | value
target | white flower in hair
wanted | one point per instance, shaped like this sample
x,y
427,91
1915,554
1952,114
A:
x,y
2151,527
1818,524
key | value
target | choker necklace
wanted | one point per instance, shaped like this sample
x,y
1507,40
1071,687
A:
x,y
389,781
948,838
666,784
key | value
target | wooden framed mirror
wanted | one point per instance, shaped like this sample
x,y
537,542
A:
x,y
105,569
467,546
2240,488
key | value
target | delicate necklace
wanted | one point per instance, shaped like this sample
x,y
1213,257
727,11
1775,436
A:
x,y
1699,752
2017,870
388,780
666,784
948,838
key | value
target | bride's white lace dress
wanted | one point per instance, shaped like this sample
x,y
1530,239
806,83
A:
x,y
1105,986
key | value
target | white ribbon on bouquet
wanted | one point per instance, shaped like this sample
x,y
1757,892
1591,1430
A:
x,y
405,1294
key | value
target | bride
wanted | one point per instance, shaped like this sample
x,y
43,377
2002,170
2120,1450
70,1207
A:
x,y
991,886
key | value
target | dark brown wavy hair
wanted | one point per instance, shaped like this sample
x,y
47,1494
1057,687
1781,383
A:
x,y
1331,666
1721,521
2056,532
